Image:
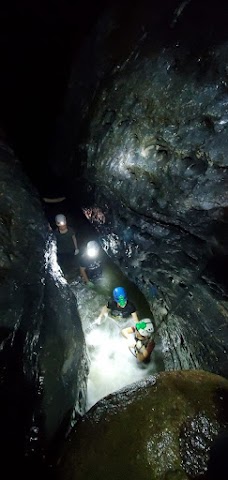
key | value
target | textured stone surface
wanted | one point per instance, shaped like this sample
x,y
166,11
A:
x,y
154,166
146,127
162,431
42,355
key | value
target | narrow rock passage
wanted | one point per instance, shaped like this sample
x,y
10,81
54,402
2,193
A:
x,y
112,366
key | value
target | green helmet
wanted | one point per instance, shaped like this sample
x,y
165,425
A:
x,y
145,327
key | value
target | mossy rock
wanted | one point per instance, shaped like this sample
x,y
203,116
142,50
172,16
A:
x,y
150,432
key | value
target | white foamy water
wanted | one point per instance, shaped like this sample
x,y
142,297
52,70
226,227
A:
x,y
112,366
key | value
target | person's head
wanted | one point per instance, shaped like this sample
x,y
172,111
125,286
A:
x,y
145,327
60,220
120,296
92,249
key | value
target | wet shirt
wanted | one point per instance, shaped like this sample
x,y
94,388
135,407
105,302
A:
x,y
92,266
118,311
65,244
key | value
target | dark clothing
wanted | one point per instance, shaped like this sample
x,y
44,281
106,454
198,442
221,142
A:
x,y
65,244
92,266
65,251
117,311
68,263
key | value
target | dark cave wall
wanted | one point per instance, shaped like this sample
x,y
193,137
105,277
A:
x,y
154,166
43,358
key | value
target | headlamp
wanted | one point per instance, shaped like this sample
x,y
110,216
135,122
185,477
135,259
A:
x,y
92,252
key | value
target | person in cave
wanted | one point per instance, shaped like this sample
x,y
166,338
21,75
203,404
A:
x,y
119,307
90,264
142,344
67,245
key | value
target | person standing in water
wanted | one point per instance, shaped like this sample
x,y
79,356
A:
x,y
119,307
67,246
142,344
90,263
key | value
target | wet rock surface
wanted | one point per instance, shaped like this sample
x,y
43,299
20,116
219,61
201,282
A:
x,y
145,126
154,166
42,355
150,431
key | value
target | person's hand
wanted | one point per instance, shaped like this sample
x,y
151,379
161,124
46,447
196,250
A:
x,y
90,284
98,321
76,252
131,342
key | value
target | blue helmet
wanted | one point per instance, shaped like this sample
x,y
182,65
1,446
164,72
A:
x,y
120,296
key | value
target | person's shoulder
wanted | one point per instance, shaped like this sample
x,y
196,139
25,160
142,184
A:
x,y
110,303
132,306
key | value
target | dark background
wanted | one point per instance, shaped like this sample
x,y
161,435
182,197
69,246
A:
x,y
38,40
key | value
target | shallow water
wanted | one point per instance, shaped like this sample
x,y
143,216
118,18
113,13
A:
x,y
112,365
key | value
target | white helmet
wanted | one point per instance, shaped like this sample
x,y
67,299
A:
x,y
92,249
145,327
60,219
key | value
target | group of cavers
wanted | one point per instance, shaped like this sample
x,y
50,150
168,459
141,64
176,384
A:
x,y
140,336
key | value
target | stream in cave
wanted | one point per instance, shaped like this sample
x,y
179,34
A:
x,y
111,364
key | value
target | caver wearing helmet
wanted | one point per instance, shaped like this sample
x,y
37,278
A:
x,y
67,246
142,345
120,296
60,219
92,249
120,307
145,327
90,263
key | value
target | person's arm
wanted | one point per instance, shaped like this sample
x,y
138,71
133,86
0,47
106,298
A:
x,y
127,333
75,242
145,352
104,310
142,354
135,317
84,274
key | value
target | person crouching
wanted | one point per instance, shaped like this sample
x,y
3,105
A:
x,y
142,345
